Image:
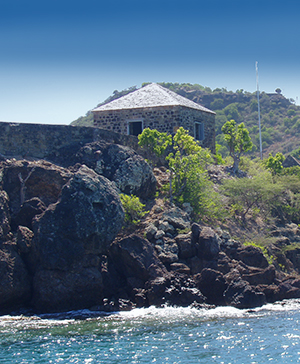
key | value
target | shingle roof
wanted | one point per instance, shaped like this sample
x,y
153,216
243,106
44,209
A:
x,y
152,95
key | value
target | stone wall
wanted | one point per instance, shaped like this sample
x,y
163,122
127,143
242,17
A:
x,y
165,119
39,140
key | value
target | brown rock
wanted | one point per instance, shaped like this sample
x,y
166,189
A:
x,y
85,220
135,257
252,256
180,268
208,245
241,295
213,285
15,286
265,276
186,248
56,290
4,217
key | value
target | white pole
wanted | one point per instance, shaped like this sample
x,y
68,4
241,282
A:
x,y
259,126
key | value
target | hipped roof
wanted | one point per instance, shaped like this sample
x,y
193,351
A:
x,y
152,95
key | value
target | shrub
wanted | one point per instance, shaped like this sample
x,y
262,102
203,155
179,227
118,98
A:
x,y
134,209
250,195
155,142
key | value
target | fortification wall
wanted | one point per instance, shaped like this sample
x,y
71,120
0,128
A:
x,y
39,140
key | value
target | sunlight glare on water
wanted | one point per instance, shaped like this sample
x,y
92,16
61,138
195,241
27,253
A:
x,y
156,335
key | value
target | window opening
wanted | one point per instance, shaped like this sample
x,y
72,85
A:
x,y
199,131
135,127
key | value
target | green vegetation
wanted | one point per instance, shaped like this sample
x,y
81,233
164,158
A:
x,y
252,196
274,164
155,142
238,140
188,178
134,209
267,192
263,194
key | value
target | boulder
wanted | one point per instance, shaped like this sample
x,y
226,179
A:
x,y
183,296
294,256
134,176
289,288
252,256
177,218
85,220
241,295
263,276
185,245
272,292
167,251
176,289
24,239
150,231
213,285
196,230
156,289
208,244
135,257
180,268
224,264
118,163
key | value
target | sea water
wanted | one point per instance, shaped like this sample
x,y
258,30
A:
x,y
270,334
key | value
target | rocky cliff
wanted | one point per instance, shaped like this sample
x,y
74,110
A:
x,y
62,246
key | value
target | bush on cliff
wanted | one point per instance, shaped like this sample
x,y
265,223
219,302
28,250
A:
x,y
188,178
155,142
134,209
252,195
267,191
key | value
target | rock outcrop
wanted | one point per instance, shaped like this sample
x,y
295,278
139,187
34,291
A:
x,y
120,164
56,225
62,247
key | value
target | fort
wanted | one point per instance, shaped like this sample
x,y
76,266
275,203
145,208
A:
x,y
156,107
118,122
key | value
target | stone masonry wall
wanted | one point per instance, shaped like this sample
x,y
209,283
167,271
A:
x,y
164,119
39,140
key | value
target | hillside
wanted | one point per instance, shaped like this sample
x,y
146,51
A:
x,y
280,117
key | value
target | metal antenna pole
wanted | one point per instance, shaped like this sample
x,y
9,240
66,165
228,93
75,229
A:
x,y
259,126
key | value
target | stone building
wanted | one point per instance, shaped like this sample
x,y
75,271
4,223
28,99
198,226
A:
x,y
156,107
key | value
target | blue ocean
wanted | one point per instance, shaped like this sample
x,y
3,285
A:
x,y
269,334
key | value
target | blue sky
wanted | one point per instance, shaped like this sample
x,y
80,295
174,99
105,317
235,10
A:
x,y
60,58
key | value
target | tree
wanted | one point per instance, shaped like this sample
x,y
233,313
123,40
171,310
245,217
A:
x,y
274,164
238,140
